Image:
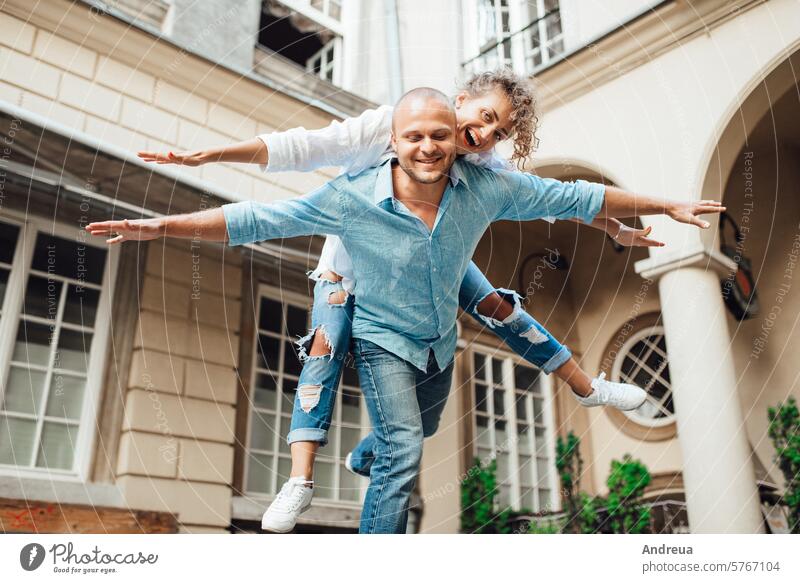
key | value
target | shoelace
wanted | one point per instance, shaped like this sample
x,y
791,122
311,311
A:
x,y
290,495
602,396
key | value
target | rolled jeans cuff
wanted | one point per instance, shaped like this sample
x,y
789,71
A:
x,y
307,434
557,360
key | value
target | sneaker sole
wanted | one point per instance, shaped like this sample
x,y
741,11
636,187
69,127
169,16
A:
x,y
279,531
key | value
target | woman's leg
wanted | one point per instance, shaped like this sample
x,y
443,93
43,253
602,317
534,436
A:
x,y
501,311
323,352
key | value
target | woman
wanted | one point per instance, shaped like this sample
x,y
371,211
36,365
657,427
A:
x,y
491,107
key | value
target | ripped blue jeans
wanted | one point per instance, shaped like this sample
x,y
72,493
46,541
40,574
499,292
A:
x,y
319,381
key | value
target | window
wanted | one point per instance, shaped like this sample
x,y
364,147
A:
x,y
523,34
276,372
642,360
53,288
306,32
514,425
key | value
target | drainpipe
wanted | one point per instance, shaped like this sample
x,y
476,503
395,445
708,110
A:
x,y
395,62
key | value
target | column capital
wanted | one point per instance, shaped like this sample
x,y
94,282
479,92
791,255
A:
x,y
695,256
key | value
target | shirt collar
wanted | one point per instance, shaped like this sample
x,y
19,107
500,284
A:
x,y
384,189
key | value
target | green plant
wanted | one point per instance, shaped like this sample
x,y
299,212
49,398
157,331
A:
x,y
626,484
478,493
784,431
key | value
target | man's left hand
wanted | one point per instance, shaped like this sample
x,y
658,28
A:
x,y
686,212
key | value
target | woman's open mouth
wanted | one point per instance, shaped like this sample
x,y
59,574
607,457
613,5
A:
x,y
471,138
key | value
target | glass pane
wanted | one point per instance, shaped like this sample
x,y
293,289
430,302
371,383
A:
x,y
296,321
480,397
497,371
527,498
261,431
335,9
283,446
8,242
259,473
42,297
520,405
73,350
269,317
24,390
287,400
526,378
265,391
525,469
69,258
58,446
484,435
350,488
323,479
524,439
541,441
544,498
504,496
538,410
480,362
66,396
543,469
503,471
3,285
16,440
33,343
268,351
81,306
350,439
499,404
291,364
351,408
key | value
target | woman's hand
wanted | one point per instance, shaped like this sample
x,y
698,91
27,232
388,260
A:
x,y
196,158
631,237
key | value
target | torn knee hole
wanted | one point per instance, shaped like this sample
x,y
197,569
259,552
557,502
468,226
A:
x,y
495,306
309,396
321,344
331,276
338,297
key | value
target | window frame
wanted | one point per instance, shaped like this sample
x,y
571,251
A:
x,y
298,300
616,369
509,361
30,226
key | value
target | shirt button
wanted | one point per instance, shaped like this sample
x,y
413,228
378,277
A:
x,y
434,269
437,298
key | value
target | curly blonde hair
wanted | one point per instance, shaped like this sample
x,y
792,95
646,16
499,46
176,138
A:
x,y
521,95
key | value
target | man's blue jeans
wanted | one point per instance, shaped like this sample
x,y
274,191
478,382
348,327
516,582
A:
x,y
319,381
404,405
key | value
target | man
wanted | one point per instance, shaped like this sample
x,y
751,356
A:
x,y
410,226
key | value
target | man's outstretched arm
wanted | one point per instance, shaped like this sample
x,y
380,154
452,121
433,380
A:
x,y
620,203
208,225
317,213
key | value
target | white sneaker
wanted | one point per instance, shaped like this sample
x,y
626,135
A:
x,y
293,499
623,396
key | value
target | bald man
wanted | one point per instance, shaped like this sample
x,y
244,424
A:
x,y
410,226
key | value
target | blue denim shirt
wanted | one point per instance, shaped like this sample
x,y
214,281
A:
x,y
407,277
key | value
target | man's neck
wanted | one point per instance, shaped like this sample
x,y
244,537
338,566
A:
x,y
413,193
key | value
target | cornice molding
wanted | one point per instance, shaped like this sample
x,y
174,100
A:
x,y
631,45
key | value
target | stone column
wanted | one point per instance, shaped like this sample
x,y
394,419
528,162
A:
x,y
718,474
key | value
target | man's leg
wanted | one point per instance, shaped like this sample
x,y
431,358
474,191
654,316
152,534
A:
x,y
389,386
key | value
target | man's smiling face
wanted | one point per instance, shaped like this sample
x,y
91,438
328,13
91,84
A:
x,y
423,136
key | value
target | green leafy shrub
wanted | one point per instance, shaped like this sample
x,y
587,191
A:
x,y
784,431
626,484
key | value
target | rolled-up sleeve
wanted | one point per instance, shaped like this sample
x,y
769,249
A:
x,y
526,197
317,213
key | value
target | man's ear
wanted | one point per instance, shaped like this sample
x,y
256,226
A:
x,y
394,143
459,100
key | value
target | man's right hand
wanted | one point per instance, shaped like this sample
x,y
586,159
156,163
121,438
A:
x,y
127,230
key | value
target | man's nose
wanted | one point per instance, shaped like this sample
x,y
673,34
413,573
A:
x,y
428,145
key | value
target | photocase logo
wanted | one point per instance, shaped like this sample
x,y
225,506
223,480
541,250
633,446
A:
x,y
31,556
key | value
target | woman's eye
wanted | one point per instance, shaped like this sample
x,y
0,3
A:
x,y
486,116
498,137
